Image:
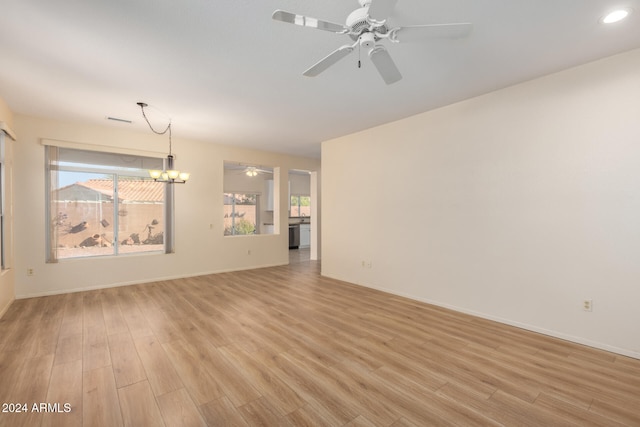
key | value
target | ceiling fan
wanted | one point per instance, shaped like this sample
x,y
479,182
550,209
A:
x,y
367,27
247,170
252,171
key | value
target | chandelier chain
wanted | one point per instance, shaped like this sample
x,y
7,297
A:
x,y
155,131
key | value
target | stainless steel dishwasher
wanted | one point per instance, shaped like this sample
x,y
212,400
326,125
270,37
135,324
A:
x,y
294,236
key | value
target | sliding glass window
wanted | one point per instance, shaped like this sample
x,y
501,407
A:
x,y
104,204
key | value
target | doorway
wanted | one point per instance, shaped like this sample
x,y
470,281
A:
x,y
303,215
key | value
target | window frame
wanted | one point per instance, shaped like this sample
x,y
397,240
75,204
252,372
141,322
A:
x,y
3,217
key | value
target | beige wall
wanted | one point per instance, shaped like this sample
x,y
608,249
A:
x,y
523,203
201,247
7,293
6,115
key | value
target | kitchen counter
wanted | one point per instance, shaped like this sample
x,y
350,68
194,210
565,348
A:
x,y
294,221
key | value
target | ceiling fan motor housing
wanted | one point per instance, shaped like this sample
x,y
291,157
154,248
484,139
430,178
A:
x,y
359,23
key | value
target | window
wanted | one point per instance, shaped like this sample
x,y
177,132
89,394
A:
x,y
104,204
300,206
240,213
3,231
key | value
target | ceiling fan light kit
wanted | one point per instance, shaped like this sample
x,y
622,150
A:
x,y
367,27
367,40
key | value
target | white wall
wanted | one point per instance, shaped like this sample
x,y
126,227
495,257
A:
x,y
200,249
515,206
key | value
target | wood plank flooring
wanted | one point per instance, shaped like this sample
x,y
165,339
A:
x,y
285,347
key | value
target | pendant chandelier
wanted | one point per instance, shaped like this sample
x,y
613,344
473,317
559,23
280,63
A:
x,y
169,174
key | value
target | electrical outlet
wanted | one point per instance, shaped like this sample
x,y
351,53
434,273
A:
x,y
587,305
248,251
368,264
29,271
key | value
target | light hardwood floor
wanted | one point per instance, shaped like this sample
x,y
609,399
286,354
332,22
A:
x,y
299,255
285,347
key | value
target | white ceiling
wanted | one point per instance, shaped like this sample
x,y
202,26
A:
x,y
225,72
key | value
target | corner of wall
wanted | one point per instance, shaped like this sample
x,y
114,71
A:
x,y
7,291
6,115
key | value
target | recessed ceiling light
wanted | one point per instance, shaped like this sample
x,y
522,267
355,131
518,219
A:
x,y
616,16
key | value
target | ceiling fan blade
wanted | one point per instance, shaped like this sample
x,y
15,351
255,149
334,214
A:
x,y
329,60
424,32
385,65
380,10
306,21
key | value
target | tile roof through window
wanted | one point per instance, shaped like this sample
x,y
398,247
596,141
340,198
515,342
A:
x,y
129,190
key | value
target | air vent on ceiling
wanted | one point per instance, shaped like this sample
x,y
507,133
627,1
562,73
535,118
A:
x,y
116,119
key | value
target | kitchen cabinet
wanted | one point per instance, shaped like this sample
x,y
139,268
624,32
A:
x,y
305,235
269,195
